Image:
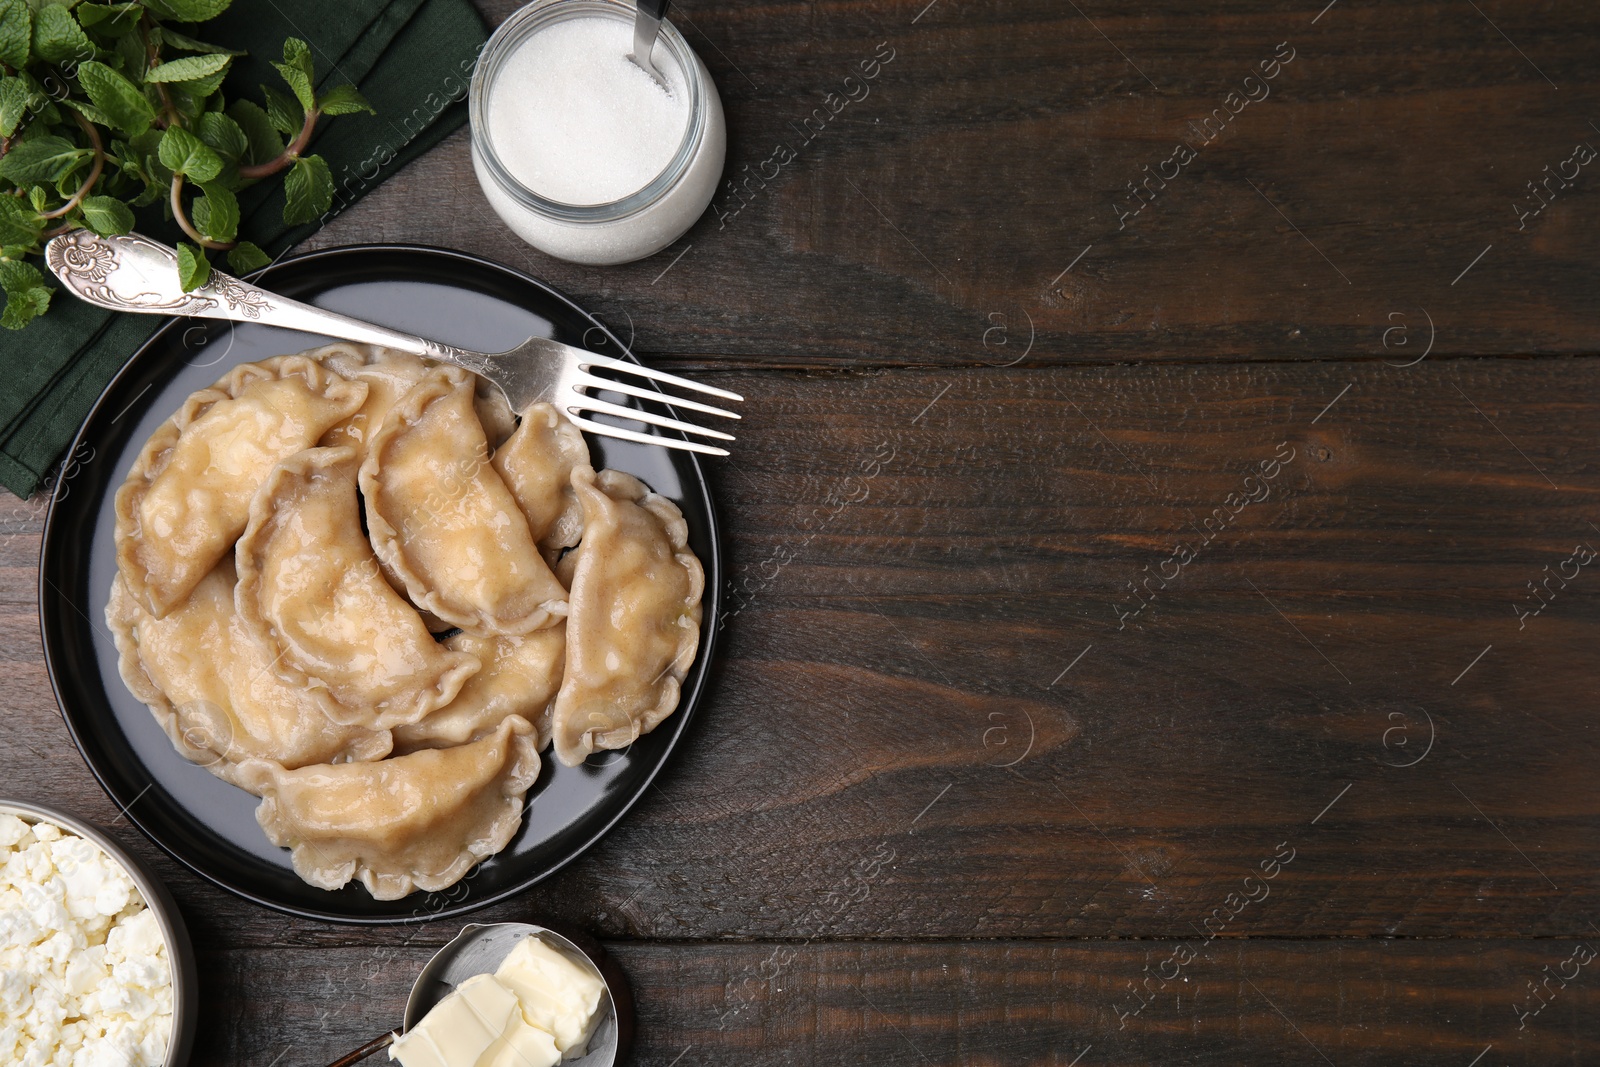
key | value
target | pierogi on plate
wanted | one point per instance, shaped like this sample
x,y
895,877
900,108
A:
x,y
353,583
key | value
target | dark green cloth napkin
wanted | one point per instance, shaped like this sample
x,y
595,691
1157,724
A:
x,y
411,58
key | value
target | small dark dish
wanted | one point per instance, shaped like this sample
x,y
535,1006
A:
x,y
480,948
210,825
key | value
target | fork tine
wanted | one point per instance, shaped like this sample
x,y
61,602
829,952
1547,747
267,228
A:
x,y
589,403
591,382
645,438
589,359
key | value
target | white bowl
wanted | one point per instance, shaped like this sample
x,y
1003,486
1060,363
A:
x,y
180,953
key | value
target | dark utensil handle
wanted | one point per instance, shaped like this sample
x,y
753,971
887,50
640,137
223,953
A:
x,y
375,1045
655,8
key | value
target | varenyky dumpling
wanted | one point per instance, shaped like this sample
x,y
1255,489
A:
x,y
188,496
416,821
211,687
520,676
537,463
311,592
494,412
389,374
634,620
443,523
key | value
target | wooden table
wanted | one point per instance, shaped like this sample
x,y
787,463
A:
x,y
1159,628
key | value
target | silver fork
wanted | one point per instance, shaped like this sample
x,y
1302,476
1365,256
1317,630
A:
x,y
134,273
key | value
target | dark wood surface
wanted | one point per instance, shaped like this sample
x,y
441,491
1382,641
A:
x,y
955,794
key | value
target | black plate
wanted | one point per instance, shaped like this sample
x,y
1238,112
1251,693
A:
x,y
201,820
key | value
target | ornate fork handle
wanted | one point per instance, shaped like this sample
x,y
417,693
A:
x,y
134,273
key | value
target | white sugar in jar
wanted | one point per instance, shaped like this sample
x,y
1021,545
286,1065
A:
x,y
577,149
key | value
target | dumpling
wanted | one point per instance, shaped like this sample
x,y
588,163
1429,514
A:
x,y
212,689
310,591
443,523
494,412
410,822
537,463
188,496
634,623
389,374
520,676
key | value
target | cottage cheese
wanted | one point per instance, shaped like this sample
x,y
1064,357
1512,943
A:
x,y
84,975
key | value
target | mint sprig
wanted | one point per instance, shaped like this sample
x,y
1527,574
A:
x,y
133,117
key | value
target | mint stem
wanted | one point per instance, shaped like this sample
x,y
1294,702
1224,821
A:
x,y
288,155
170,113
94,171
187,226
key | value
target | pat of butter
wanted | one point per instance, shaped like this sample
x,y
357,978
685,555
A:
x,y
557,994
480,1024
538,1008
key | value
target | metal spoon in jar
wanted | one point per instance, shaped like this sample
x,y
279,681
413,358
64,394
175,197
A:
x,y
646,25
479,949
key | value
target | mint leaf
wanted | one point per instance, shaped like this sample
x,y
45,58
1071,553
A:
x,y
107,215
246,257
343,100
16,32
90,112
14,97
265,143
296,70
183,43
27,295
41,159
189,68
188,10
130,53
194,269
18,224
39,197
307,190
57,37
223,134
216,214
191,98
182,152
285,112
117,97
146,150
110,20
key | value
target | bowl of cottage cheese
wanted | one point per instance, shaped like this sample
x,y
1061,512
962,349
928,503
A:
x,y
96,969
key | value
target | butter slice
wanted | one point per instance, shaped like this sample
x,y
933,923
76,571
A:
x,y
480,1024
557,994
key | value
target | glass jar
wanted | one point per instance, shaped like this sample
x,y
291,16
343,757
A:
x,y
637,225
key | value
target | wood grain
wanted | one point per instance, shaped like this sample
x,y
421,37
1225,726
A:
x,y
1000,141
981,1003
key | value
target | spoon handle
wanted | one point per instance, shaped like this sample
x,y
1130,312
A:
x,y
375,1045
656,9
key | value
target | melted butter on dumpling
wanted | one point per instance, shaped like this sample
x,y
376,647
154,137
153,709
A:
x,y
444,524
311,592
188,496
418,821
211,687
520,676
388,375
634,620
